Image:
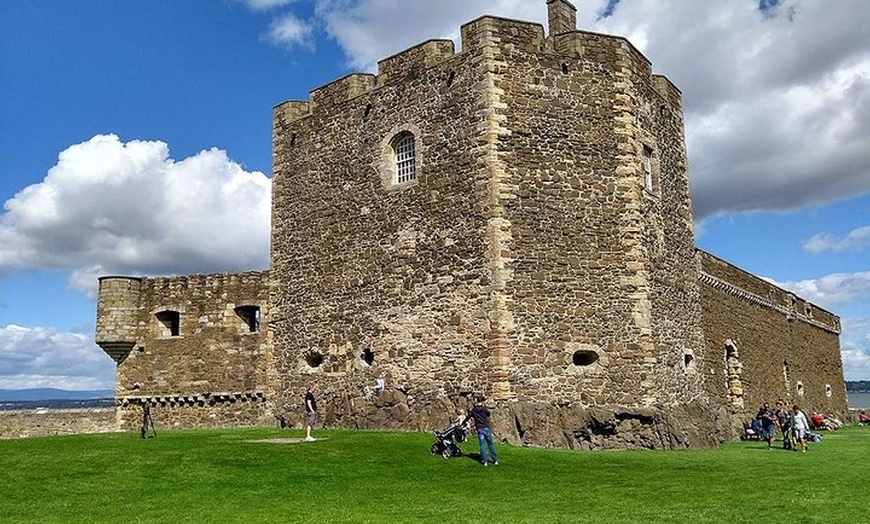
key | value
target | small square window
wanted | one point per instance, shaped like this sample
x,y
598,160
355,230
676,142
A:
x,y
170,323
250,316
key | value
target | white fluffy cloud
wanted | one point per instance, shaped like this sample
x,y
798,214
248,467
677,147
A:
x,y
856,240
856,362
39,357
288,30
830,290
128,208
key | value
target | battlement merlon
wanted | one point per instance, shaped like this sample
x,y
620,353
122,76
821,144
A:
x,y
290,111
427,54
670,92
505,33
342,90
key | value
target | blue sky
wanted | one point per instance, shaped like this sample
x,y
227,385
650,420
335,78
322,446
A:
x,y
135,138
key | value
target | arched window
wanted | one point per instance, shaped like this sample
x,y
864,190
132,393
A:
x,y
401,158
405,157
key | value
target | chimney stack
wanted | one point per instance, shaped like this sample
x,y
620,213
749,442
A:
x,y
562,16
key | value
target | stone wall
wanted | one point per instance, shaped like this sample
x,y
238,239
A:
x,y
218,348
48,422
599,265
202,410
379,279
765,344
527,239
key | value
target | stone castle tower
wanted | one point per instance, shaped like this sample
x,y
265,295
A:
x,y
512,218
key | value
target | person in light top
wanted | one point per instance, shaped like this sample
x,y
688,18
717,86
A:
x,y
801,427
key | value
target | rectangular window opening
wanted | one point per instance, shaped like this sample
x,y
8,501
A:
x,y
649,177
170,322
250,316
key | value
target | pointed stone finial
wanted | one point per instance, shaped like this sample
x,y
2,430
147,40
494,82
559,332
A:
x,y
562,16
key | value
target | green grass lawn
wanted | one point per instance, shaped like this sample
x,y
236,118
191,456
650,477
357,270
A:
x,y
220,476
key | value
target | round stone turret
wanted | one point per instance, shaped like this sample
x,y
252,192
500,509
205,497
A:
x,y
117,315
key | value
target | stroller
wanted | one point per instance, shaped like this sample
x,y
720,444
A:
x,y
446,440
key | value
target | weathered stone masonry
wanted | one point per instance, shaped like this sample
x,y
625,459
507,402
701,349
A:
x,y
786,347
49,422
542,254
212,371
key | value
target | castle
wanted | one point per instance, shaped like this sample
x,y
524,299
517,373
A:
x,y
512,218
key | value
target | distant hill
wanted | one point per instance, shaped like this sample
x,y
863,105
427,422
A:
x,y
859,386
18,395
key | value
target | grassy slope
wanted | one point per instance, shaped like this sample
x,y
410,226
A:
x,y
219,476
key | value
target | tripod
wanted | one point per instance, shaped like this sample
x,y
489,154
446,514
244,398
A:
x,y
147,421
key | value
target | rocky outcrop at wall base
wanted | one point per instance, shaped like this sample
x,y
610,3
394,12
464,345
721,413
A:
x,y
615,427
538,424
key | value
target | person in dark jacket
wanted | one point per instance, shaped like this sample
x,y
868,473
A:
x,y
480,414
767,416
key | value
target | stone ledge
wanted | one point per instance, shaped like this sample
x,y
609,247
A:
x,y
210,398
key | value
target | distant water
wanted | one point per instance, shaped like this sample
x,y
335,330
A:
x,y
859,400
57,404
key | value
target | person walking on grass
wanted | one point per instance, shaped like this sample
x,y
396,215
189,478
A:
x,y
783,420
801,427
310,410
767,417
480,414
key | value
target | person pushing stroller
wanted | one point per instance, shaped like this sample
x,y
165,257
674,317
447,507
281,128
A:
x,y
480,414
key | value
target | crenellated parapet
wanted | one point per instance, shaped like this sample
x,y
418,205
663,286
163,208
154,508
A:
x,y
617,53
484,32
396,68
290,111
